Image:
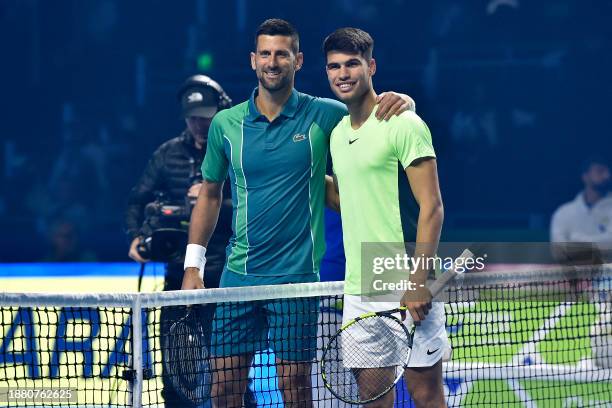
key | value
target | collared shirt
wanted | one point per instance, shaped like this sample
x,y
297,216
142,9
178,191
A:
x,y
277,175
577,222
366,164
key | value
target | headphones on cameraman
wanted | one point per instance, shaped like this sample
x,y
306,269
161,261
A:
x,y
195,81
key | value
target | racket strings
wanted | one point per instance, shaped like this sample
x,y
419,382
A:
x,y
187,361
366,358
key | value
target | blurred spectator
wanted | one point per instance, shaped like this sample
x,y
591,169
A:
x,y
65,245
77,188
494,5
83,163
476,126
587,219
63,201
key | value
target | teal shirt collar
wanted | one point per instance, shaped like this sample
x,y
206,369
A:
x,y
289,110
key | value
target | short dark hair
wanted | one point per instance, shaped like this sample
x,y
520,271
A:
x,y
350,40
277,26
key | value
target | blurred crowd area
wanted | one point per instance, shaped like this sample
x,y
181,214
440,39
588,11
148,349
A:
x,y
516,94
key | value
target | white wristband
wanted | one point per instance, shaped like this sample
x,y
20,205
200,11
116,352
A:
x,y
195,257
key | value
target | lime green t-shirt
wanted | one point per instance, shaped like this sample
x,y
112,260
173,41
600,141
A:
x,y
366,162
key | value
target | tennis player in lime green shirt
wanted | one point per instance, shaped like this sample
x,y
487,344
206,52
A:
x,y
365,154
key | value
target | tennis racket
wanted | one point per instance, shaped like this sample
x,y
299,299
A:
x,y
366,358
186,358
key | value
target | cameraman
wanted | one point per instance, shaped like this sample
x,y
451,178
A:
x,y
173,174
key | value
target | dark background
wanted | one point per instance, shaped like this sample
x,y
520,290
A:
x,y
516,93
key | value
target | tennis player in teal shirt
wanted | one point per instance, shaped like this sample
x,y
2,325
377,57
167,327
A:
x,y
274,147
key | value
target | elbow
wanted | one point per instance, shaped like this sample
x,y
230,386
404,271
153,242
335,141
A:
x,y
434,212
334,206
216,198
211,192
335,203
440,211
332,202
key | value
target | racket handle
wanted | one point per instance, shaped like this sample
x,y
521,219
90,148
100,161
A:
x,y
438,285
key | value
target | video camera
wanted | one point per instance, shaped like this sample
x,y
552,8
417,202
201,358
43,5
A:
x,y
166,225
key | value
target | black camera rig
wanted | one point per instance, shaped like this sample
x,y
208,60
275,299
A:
x,y
166,225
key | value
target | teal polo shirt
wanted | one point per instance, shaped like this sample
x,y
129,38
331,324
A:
x,y
277,175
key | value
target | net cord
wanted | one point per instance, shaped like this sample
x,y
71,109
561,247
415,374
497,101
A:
x,y
173,298
186,297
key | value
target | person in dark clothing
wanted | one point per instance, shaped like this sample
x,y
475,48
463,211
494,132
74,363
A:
x,y
174,172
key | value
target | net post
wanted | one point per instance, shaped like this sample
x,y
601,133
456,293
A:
x,y
136,384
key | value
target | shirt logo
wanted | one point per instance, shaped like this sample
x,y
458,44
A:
x,y
353,141
298,137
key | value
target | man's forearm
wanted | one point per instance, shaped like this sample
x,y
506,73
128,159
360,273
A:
x,y
429,227
203,221
204,217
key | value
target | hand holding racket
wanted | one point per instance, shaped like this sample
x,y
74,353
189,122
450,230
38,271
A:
x,y
358,370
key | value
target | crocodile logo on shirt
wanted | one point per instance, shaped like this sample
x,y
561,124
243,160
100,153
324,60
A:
x,y
298,137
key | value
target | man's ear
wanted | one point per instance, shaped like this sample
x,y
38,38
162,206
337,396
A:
x,y
372,66
253,55
299,61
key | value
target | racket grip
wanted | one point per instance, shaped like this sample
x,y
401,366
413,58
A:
x,y
438,285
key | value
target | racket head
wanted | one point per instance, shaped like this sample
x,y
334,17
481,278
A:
x,y
366,358
187,359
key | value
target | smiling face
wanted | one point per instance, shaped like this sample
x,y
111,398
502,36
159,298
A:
x,y
349,75
275,62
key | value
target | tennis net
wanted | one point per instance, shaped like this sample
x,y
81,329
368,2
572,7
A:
x,y
531,338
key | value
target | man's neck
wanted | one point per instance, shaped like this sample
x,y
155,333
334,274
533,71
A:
x,y
271,104
361,110
591,196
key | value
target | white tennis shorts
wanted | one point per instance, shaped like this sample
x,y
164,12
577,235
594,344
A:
x,y
430,339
